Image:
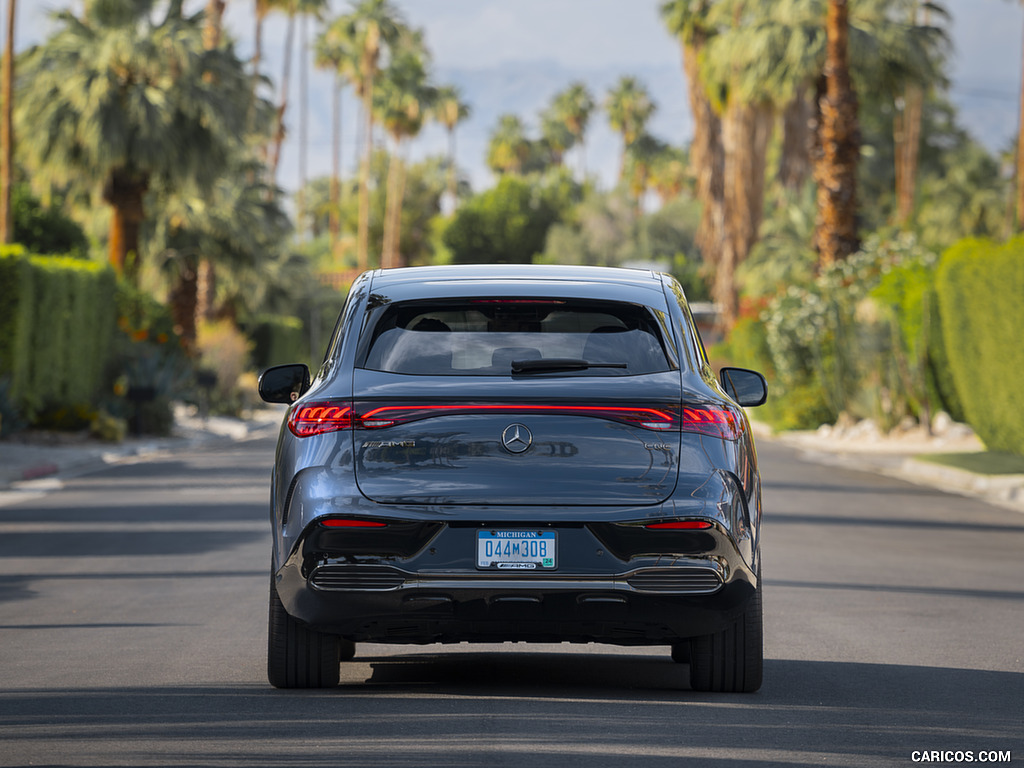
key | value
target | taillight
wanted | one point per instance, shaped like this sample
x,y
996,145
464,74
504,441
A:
x,y
348,522
661,419
712,421
316,418
680,525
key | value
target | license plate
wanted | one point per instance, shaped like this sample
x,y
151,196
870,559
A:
x,y
512,550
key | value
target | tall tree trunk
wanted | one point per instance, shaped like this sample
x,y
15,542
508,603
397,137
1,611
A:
x,y
363,233
334,213
282,107
1020,157
300,201
7,132
390,197
397,259
707,158
746,129
212,24
795,158
836,173
125,193
205,284
907,141
453,193
182,300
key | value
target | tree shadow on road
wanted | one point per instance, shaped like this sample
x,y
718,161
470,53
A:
x,y
564,709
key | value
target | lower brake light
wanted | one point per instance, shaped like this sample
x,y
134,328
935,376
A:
x,y
680,525
336,522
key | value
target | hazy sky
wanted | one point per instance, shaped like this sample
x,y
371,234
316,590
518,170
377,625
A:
x,y
601,35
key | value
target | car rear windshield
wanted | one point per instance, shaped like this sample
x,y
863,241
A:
x,y
503,336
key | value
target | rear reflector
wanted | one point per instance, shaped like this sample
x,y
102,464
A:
x,y
680,525
337,522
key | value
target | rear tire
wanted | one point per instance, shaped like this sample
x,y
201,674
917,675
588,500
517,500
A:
x,y
730,661
298,657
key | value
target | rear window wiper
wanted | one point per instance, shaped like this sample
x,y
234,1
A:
x,y
558,364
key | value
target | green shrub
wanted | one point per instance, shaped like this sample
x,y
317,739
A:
x,y
56,323
907,293
277,339
981,286
225,352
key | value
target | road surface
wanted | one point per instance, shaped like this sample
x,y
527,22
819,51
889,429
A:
x,y
133,631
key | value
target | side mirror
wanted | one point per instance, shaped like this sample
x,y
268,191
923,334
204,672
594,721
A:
x,y
284,383
748,388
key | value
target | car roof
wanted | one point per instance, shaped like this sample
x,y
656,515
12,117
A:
x,y
533,279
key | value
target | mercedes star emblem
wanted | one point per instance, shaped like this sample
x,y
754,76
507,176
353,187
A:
x,y
516,438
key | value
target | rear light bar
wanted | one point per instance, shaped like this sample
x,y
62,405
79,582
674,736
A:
x,y
680,525
648,418
316,418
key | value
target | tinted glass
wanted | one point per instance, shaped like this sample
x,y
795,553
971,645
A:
x,y
482,337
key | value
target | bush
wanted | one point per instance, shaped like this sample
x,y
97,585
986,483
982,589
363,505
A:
x,y
45,230
507,224
833,334
980,287
798,403
224,351
56,324
277,339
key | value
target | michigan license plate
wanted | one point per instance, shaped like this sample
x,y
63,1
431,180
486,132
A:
x,y
515,550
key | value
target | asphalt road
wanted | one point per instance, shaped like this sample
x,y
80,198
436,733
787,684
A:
x,y
133,621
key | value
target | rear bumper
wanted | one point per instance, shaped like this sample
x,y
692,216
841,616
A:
x,y
647,605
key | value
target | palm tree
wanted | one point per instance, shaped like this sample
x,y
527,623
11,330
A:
x,y
7,131
294,8
629,106
688,22
449,111
669,175
508,147
369,32
333,51
213,24
402,102
836,173
118,99
235,223
573,107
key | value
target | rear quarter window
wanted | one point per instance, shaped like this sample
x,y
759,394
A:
x,y
482,336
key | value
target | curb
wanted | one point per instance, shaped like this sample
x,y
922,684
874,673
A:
x,y
82,461
1002,490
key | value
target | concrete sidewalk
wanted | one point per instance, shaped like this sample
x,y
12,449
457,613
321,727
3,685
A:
x,y
33,456
896,455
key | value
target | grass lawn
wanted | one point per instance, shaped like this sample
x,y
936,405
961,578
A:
x,y
982,463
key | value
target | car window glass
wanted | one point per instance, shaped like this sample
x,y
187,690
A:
x,y
483,337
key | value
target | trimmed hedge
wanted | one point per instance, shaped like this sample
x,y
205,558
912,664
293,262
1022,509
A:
x,y
981,295
57,319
